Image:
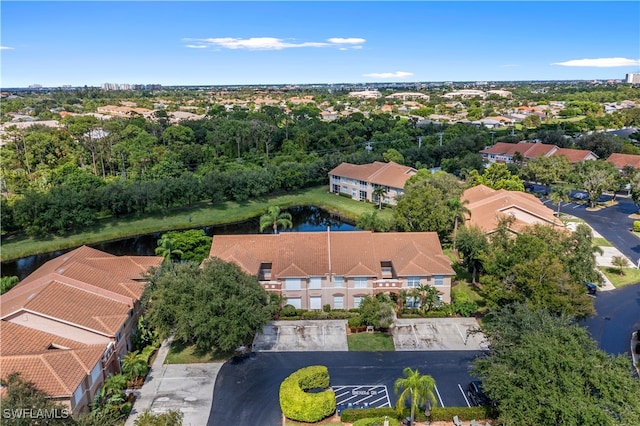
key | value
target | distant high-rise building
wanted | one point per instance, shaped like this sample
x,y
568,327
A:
x,y
633,78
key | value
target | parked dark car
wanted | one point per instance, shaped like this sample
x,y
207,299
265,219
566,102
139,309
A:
x,y
591,287
476,394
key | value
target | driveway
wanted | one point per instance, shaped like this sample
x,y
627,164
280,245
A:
x,y
613,223
324,335
618,315
246,393
437,334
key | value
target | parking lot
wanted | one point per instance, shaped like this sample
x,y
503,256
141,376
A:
x,y
248,390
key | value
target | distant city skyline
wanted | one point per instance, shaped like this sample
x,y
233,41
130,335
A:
x,y
172,43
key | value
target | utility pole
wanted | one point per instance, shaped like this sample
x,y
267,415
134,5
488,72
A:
x,y
419,142
440,134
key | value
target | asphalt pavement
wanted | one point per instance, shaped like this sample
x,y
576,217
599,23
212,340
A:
x,y
613,223
246,392
618,315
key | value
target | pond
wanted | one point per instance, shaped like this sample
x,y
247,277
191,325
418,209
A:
x,y
304,218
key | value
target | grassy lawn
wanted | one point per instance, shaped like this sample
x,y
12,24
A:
x,y
370,342
601,242
631,276
181,354
187,218
469,290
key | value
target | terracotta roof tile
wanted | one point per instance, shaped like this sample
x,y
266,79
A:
x,y
576,155
621,160
16,339
347,253
488,205
57,372
386,174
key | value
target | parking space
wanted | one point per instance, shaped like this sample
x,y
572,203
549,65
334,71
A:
x,y
435,334
361,396
302,336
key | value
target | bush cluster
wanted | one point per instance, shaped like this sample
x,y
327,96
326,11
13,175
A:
x,y
376,421
351,415
299,405
463,413
636,226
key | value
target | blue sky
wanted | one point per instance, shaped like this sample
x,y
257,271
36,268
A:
x,y
294,42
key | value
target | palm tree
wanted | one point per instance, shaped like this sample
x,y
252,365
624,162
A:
x,y
379,192
165,248
275,218
459,212
557,197
416,387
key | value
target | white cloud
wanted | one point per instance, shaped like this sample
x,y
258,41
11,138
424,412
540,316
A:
x,y
397,74
340,40
600,62
6,48
271,43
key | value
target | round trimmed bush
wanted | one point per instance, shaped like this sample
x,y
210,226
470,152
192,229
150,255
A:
x,y
302,406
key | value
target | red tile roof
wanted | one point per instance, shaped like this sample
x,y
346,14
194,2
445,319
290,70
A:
x,y
488,205
350,253
56,372
19,340
531,150
386,174
621,160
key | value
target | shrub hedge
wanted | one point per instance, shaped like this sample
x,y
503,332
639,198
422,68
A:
x,y
376,421
297,404
463,413
636,225
350,415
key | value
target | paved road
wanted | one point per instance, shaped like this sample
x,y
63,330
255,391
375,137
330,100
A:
x,y
246,392
618,315
613,223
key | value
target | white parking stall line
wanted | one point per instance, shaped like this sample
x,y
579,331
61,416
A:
x,y
380,399
568,204
464,395
546,201
439,397
460,332
577,205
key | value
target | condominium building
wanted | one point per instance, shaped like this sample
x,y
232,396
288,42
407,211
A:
x,y
313,269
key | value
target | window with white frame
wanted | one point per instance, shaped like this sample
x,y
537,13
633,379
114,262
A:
x,y
438,280
315,283
296,302
357,300
315,303
413,281
360,282
292,283
95,373
354,192
338,281
338,302
345,189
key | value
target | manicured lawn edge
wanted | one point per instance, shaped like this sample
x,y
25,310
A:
x,y
184,218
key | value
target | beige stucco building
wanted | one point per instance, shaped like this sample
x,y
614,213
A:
x,y
313,269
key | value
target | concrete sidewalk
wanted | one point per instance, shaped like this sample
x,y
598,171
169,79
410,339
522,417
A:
x,y
184,387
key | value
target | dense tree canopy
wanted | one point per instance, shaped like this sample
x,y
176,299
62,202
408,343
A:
x,y
216,307
545,369
426,203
